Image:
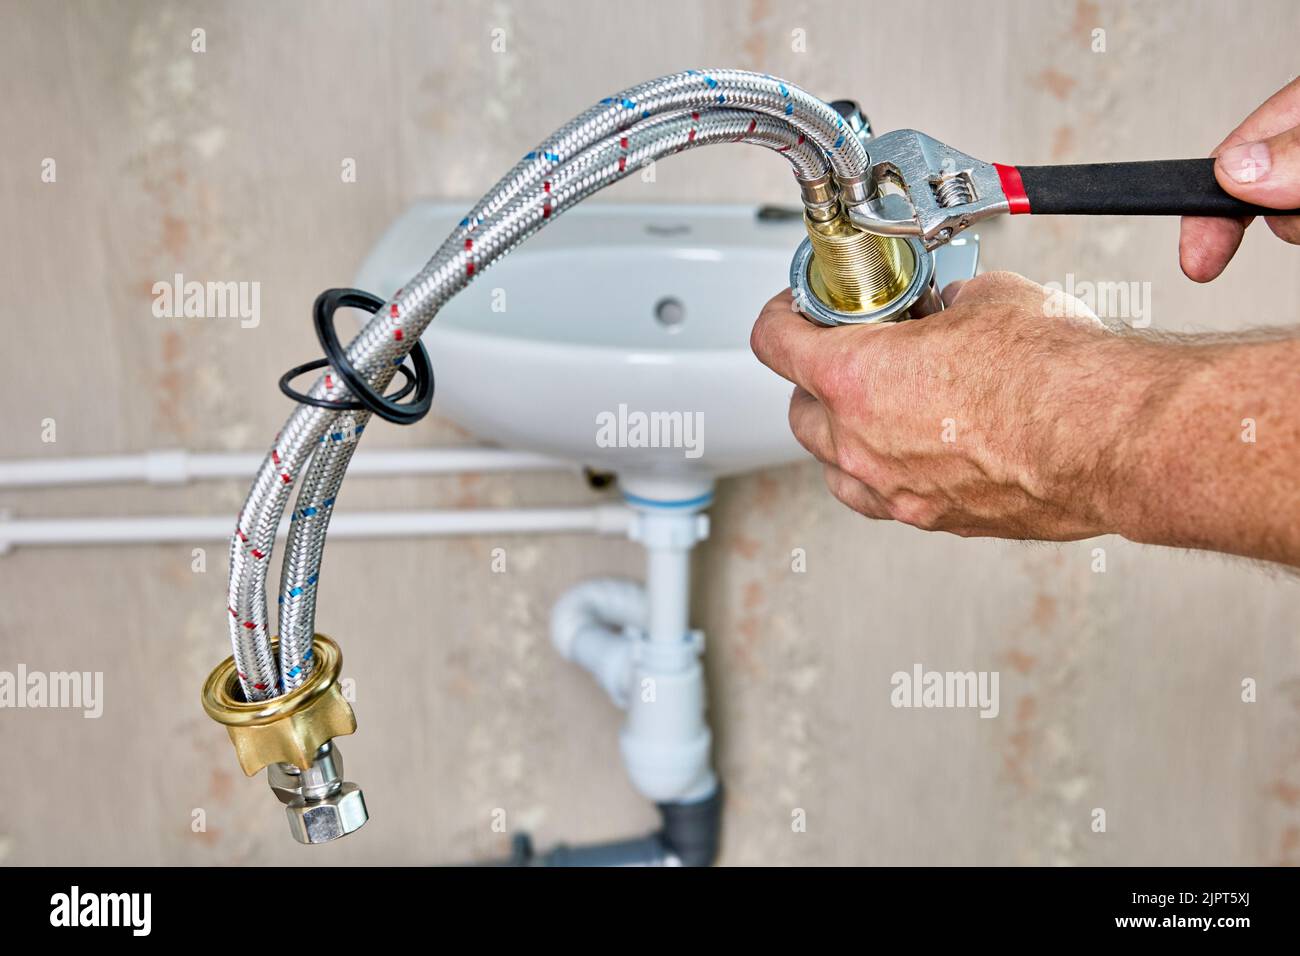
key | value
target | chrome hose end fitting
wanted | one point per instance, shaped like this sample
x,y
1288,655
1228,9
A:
x,y
856,190
292,736
320,805
820,198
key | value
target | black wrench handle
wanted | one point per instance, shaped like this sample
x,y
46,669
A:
x,y
1163,187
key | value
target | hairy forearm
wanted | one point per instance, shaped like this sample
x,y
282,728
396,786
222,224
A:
x,y
995,418
1210,457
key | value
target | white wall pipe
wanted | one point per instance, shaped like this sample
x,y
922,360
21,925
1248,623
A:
x,y
176,466
599,519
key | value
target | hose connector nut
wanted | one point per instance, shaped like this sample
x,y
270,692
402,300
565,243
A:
x,y
320,805
855,190
289,729
323,821
820,198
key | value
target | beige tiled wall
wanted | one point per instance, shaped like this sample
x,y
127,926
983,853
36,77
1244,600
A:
x,y
1118,690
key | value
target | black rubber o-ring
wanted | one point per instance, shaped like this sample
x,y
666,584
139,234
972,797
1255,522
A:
x,y
336,404
329,302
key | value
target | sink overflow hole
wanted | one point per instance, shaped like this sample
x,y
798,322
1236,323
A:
x,y
670,313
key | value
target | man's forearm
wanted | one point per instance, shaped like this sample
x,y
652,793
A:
x,y
994,418
1213,455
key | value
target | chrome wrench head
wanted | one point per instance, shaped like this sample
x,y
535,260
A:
x,y
927,189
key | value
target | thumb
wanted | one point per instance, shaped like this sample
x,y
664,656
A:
x,y
1266,173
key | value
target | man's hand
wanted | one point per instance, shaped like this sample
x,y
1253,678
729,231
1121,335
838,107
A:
x,y
1260,163
997,417
985,419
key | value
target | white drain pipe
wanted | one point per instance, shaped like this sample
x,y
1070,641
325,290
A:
x,y
638,644
596,624
176,466
666,740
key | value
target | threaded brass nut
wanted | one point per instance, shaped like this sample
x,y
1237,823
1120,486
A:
x,y
287,729
856,271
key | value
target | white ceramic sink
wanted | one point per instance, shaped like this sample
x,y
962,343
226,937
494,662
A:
x,y
608,315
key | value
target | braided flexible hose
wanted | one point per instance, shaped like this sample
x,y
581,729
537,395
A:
x,y
691,90
615,158
384,341
302,558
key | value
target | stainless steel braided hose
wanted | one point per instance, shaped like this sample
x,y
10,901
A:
x,y
691,90
602,145
610,161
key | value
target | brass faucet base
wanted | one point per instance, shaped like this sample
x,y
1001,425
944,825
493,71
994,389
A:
x,y
856,271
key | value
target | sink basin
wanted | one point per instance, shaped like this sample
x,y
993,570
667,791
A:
x,y
617,337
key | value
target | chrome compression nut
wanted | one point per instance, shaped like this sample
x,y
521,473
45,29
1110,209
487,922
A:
x,y
319,804
820,198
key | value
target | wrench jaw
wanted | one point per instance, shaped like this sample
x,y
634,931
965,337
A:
x,y
871,249
927,189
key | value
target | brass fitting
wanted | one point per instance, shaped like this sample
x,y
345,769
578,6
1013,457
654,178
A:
x,y
856,271
288,729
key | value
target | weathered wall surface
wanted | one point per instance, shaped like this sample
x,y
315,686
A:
x,y
1119,690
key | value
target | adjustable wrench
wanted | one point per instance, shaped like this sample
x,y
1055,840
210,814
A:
x,y
927,189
